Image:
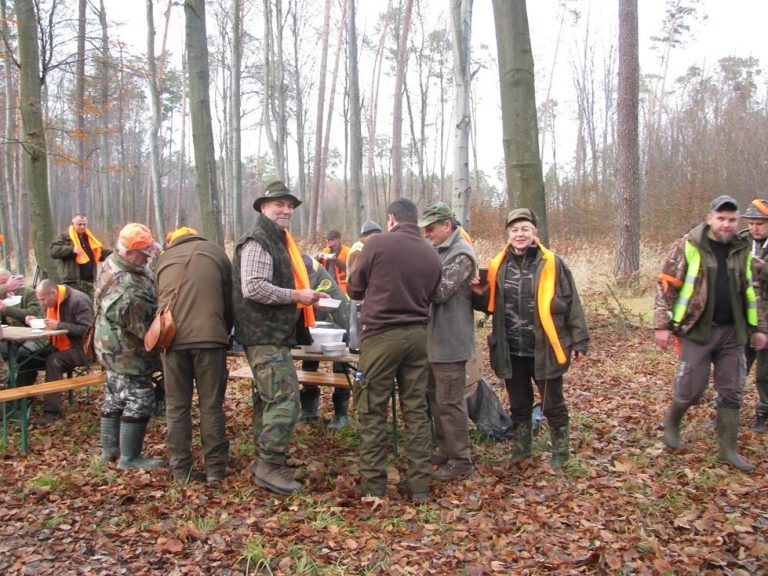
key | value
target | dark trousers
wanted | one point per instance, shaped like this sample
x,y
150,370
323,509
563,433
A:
x,y
57,364
397,353
520,392
183,370
309,391
724,357
447,382
760,357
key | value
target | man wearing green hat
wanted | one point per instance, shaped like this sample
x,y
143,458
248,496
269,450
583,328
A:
x,y
706,297
450,342
756,215
272,299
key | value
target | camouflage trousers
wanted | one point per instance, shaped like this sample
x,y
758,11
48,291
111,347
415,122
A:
x,y
275,400
3,373
130,397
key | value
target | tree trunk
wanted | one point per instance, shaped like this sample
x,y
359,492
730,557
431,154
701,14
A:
x,y
357,207
108,216
461,25
35,152
234,118
397,111
525,186
628,247
202,129
317,172
301,186
80,136
156,124
8,150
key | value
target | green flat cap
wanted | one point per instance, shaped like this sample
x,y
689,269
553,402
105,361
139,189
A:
x,y
437,212
522,214
276,189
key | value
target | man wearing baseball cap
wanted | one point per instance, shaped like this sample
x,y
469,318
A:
x,y
272,299
756,215
125,306
706,297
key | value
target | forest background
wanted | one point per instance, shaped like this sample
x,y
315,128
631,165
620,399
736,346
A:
x,y
702,114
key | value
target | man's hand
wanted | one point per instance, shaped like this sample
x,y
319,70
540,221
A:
x,y
51,324
662,338
14,283
578,355
759,341
757,263
477,287
307,296
77,251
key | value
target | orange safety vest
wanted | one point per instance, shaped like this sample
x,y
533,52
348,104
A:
x,y
545,293
62,341
341,275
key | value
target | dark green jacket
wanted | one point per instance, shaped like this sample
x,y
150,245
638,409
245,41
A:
x,y
63,251
568,317
697,322
29,306
258,324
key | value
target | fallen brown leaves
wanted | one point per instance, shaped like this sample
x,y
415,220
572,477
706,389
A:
x,y
622,504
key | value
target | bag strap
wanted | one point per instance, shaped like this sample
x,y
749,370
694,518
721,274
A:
x,y
172,302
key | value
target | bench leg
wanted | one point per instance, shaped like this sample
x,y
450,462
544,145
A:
x,y
24,425
5,426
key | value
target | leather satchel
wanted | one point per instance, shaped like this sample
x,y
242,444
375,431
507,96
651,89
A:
x,y
161,332
163,329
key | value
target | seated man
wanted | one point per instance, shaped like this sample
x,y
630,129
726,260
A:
x,y
14,308
321,281
66,309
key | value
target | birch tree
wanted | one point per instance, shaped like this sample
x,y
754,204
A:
x,y
461,27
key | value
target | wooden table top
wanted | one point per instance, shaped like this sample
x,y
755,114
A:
x,y
346,358
19,333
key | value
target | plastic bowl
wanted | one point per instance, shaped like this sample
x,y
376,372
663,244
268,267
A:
x,y
37,323
334,349
326,335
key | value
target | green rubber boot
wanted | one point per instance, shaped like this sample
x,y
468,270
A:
x,y
131,443
727,433
341,415
561,450
522,441
110,438
672,425
310,408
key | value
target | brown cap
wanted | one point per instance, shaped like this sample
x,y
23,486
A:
x,y
522,214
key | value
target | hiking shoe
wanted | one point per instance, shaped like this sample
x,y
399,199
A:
x,y
49,418
361,491
276,478
451,471
438,457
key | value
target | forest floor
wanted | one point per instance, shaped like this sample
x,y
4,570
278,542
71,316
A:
x,y
622,504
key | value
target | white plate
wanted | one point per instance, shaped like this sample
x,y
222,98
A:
x,y
330,303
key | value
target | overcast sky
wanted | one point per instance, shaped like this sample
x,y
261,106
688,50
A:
x,y
731,28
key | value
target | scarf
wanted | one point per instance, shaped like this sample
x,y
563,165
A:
x,y
60,342
545,293
95,245
300,277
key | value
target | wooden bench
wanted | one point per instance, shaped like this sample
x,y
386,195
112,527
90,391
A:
x,y
304,376
24,393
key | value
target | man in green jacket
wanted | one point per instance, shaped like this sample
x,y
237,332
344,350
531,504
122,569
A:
x,y
77,254
197,356
756,215
707,297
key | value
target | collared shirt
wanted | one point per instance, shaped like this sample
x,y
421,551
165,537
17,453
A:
x,y
256,276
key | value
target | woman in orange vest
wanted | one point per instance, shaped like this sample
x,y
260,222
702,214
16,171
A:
x,y
538,326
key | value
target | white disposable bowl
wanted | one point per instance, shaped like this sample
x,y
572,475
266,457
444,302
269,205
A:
x,y
326,335
334,348
37,323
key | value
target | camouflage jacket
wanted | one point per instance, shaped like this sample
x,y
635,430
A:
x,y
759,250
125,306
696,325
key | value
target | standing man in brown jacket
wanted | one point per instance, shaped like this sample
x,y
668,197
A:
x,y
198,355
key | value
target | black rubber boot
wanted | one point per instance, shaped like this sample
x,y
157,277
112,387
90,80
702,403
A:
x,y
341,415
310,408
672,425
727,433
110,438
131,443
